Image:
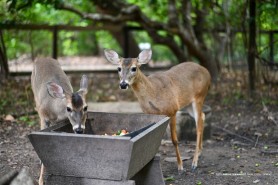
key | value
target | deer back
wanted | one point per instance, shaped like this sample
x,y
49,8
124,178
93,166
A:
x,y
49,70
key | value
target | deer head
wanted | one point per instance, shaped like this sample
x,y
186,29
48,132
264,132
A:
x,y
76,107
127,67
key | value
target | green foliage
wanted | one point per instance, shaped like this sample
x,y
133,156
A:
x,y
26,119
16,97
269,101
233,97
168,179
160,52
37,43
218,15
156,9
87,43
106,40
22,42
163,53
3,104
199,183
268,19
43,12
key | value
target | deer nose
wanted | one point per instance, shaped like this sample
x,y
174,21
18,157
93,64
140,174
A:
x,y
78,131
123,85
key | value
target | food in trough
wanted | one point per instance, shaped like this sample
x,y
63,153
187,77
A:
x,y
119,133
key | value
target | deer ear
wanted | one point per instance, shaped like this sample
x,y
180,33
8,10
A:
x,y
84,84
145,56
55,90
112,56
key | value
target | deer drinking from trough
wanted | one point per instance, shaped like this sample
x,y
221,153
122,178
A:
x,y
55,99
184,85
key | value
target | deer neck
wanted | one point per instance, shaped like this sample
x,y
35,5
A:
x,y
142,86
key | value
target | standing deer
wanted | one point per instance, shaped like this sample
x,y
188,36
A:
x,y
184,85
55,99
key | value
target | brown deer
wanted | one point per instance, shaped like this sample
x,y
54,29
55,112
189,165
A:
x,y
184,85
55,99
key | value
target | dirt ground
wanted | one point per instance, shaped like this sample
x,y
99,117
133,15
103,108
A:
x,y
230,157
243,148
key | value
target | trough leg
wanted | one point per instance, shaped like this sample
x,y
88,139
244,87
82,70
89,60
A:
x,y
151,174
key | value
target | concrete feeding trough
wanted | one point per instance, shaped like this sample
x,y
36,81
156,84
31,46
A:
x,y
94,155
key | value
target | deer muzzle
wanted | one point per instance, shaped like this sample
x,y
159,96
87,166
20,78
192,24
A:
x,y
124,85
79,129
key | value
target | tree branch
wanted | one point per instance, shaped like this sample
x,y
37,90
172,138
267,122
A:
x,y
173,20
186,17
133,13
124,15
71,9
118,15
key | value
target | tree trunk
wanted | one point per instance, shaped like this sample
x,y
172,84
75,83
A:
x,y
124,37
252,45
126,42
4,67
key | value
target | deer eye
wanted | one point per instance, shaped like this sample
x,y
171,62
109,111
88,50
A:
x,y
119,69
85,108
133,69
69,109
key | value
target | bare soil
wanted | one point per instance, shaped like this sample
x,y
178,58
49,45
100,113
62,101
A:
x,y
243,148
233,156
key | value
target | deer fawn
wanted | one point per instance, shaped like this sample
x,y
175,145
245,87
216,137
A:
x,y
184,85
55,99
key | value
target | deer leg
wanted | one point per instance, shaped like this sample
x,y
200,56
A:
x,y
175,142
41,175
198,116
201,141
44,124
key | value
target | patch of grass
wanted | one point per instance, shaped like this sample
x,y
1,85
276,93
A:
x,y
269,101
171,178
199,183
27,120
3,104
17,99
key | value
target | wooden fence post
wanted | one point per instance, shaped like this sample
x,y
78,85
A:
x,y
55,43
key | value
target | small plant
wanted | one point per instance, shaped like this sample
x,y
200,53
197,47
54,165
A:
x,y
27,120
171,178
3,104
199,183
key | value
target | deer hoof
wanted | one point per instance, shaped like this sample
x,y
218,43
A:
x,y
181,172
194,166
41,182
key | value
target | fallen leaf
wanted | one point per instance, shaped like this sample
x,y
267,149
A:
x,y
256,181
9,118
258,134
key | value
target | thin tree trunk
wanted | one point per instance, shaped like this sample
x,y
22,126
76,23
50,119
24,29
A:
x,y
4,67
252,45
133,48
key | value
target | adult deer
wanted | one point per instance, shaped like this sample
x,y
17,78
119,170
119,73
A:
x,y
184,85
55,99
